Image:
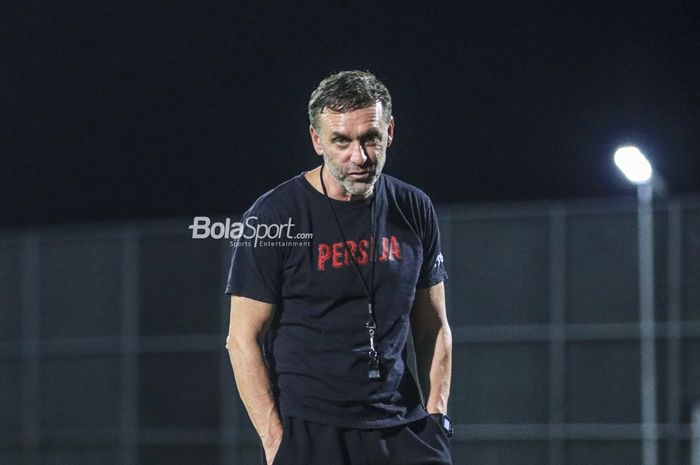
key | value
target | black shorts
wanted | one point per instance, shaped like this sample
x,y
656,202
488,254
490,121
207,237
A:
x,y
421,442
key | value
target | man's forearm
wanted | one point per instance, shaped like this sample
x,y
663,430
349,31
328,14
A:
x,y
440,372
254,387
433,343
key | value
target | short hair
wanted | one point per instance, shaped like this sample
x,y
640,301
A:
x,y
346,91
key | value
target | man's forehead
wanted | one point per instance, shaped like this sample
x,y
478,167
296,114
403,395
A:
x,y
372,115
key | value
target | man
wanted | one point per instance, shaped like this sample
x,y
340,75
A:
x,y
318,328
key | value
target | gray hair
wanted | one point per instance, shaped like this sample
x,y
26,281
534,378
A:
x,y
347,91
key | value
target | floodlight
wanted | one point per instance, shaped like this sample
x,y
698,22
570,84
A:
x,y
633,164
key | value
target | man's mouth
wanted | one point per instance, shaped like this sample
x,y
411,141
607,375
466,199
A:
x,y
359,174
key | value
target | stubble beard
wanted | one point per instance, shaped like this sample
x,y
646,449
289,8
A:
x,y
357,190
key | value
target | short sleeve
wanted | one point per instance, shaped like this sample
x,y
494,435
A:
x,y
255,271
433,267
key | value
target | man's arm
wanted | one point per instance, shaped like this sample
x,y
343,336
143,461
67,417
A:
x,y
432,339
250,319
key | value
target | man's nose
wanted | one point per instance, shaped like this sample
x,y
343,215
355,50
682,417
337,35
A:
x,y
359,154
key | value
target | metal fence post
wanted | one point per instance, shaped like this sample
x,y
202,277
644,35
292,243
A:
x,y
695,435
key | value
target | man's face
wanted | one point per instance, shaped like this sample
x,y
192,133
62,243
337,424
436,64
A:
x,y
353,146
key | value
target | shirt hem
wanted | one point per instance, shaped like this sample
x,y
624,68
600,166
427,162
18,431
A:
x,y
416,413
249,295
432,282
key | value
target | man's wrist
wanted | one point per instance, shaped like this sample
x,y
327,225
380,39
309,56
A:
x,y
271,440
444,422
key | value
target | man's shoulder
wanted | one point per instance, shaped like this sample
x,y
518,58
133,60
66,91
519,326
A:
x,y
404,191
279,197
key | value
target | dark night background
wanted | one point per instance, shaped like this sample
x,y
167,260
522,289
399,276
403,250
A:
x,y
120,111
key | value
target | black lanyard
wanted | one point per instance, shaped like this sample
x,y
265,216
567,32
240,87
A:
x,y
371,324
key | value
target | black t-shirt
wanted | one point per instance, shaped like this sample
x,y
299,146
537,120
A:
x,y
317,349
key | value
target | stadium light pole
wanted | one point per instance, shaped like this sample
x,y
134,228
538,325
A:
x,y
637,169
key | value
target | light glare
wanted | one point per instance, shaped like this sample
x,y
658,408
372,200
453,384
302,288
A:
x,y
633,164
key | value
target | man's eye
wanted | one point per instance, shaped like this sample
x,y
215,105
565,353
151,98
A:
x,y
374,140
341,141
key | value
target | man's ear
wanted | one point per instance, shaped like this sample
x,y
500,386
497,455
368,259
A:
x,y
390,132
315,139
